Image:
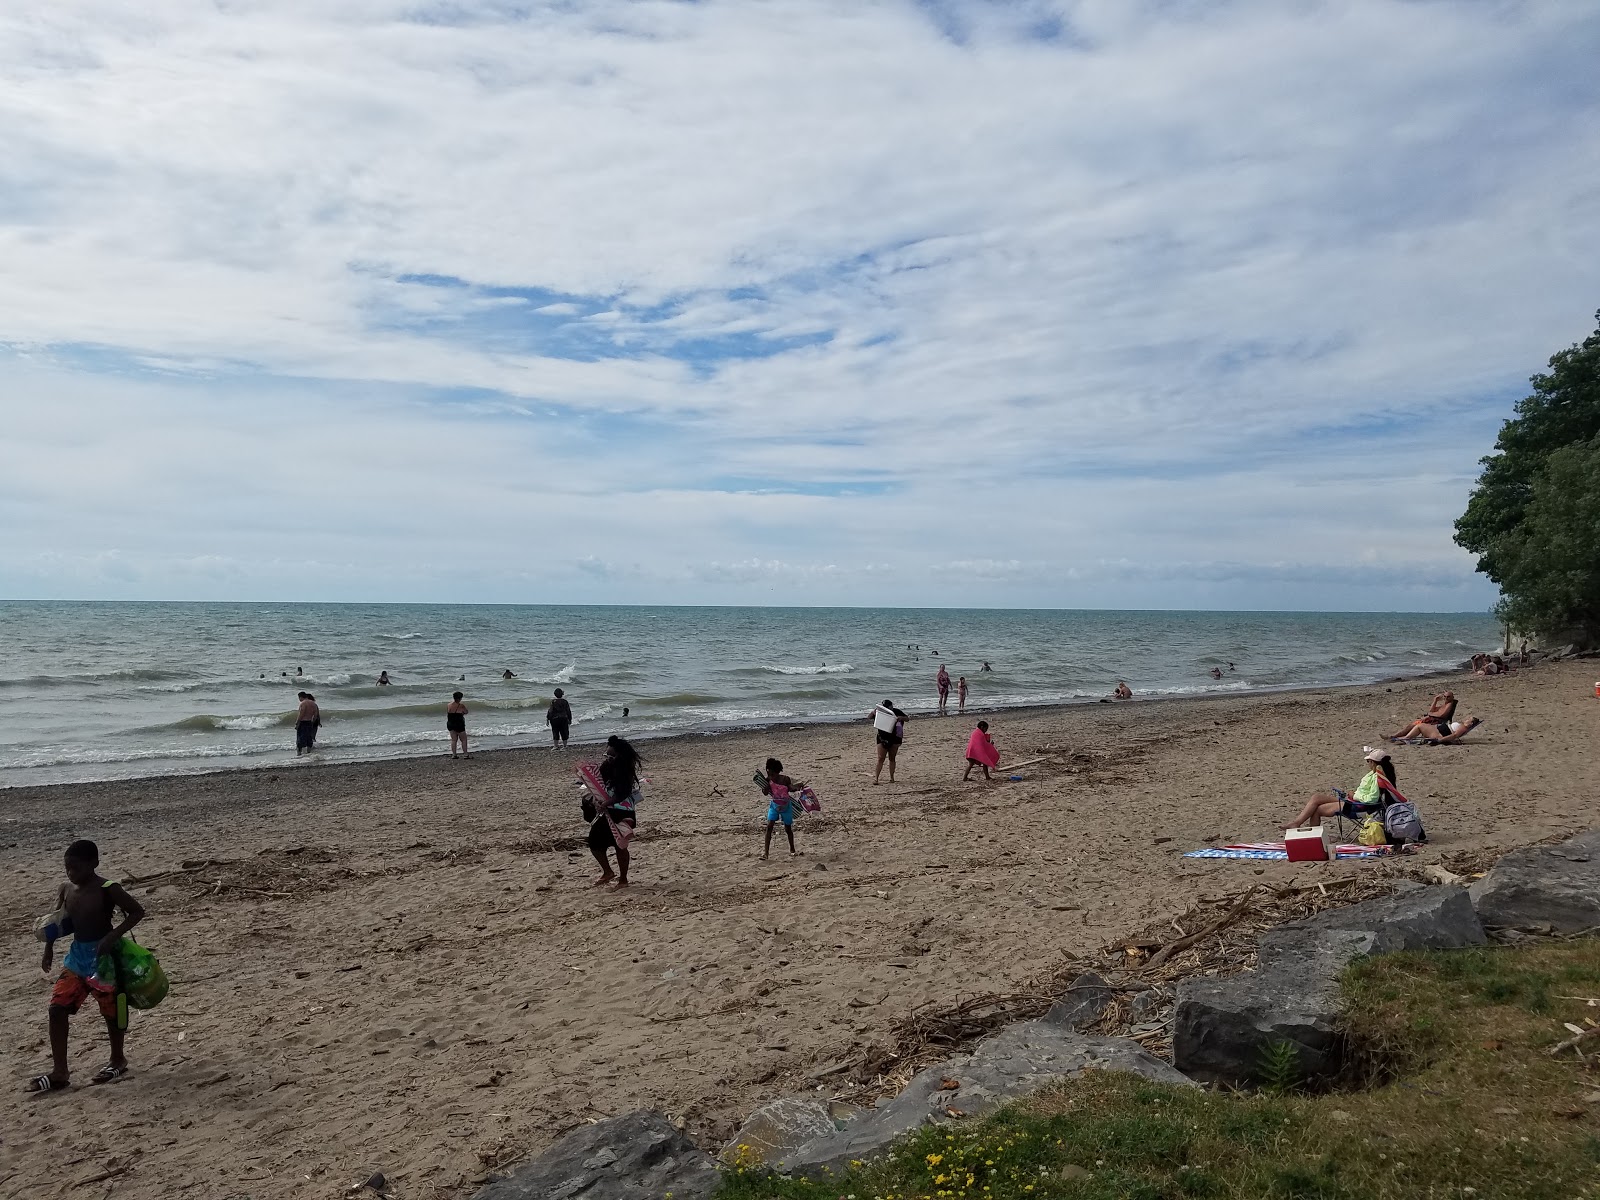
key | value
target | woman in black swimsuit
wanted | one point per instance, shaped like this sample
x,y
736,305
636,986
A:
x,y
455,720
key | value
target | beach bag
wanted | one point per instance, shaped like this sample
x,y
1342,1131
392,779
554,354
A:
x,y
1372,832
808,801
1402,823
136,972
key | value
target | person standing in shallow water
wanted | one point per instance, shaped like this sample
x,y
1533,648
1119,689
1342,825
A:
x,y
559,717
961,694
455,720
942,680
307,720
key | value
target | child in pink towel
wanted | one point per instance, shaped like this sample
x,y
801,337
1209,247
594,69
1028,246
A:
x,y
981,751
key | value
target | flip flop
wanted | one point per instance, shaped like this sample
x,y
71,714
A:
x,y
43,1083
109,1073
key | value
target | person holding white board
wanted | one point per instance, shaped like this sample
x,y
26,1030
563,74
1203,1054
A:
x,y
890,724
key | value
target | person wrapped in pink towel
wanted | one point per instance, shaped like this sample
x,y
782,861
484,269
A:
x,y
981,751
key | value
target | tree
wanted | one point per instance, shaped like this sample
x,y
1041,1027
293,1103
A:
x,y
1564,408
1551,560
1562,412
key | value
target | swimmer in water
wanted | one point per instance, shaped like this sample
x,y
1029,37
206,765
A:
x,y
383,678
508,673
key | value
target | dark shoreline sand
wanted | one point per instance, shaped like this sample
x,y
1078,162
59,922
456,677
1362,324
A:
x,y
404,968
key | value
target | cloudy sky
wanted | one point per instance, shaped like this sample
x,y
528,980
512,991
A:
x,y
1155,303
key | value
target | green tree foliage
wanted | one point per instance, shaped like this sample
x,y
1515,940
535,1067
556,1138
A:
x,y
1534,563
1550,562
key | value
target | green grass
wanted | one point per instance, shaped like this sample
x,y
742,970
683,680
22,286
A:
x,y
1473,1106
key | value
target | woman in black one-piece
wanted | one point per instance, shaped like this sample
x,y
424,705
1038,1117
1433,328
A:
x,y
455,722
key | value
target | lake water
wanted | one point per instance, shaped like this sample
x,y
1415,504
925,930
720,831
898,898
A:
x,y
103,690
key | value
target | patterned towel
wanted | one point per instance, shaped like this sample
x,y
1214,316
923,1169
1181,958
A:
x,y
1276,850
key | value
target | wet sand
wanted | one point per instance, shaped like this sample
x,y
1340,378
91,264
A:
x,y
402,966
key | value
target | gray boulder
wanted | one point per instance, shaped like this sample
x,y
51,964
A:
x,y
639,1156
1544,887
776,1130
1224,1028
1088,996
1015,1062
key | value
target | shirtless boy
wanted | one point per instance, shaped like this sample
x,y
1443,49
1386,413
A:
x,y
90,903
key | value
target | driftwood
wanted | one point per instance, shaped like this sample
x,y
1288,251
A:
x,y
1572,1042
1183,943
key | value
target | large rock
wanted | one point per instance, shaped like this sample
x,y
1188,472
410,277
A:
x,y
1225,1028
1544,887
639,1156
1013,1063
779,1128
1087,997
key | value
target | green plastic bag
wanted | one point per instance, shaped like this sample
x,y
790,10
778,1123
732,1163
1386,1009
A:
x,y
136,972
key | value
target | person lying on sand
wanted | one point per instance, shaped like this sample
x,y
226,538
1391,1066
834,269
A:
x,y
1368,798
1433,723
1457,731
780,806
90,903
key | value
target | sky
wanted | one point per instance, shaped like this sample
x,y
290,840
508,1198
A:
x,y
1039,303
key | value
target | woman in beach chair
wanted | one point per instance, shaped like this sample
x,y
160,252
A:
x,y
1371,795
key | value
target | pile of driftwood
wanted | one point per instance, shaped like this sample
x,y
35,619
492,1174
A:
x,y
1215,936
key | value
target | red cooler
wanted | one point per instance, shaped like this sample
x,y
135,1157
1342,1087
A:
x,y
1305,845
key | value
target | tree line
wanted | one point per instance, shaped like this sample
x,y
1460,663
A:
x,y
1534,518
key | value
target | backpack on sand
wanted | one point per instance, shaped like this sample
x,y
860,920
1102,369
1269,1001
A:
x,y
1402,823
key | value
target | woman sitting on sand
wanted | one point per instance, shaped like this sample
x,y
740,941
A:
x,y
612,828
1433,723
1370,796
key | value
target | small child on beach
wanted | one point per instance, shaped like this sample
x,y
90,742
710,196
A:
x,y
89,903
780,805
981,752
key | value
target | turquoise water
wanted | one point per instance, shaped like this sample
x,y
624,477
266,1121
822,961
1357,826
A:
x,y
105,690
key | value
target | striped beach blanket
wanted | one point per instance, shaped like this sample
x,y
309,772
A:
x,y
1276,851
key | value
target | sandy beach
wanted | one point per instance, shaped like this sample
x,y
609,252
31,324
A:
x,y
402,966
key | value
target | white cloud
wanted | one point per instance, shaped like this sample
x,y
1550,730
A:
x,y
1098,283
